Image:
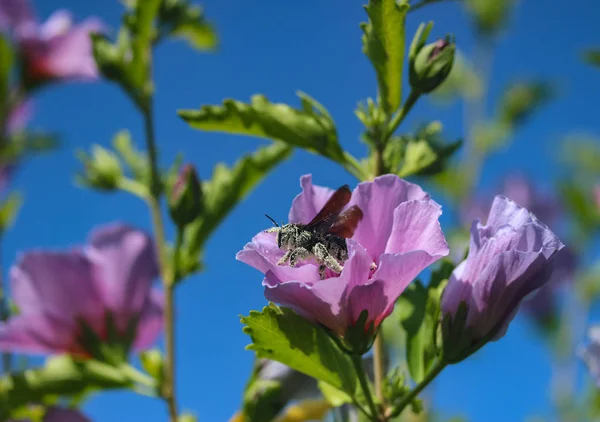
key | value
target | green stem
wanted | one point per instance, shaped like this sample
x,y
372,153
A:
x,y
137,376
134,187
435,371
413,96
364,384
353,167
378,365
168,387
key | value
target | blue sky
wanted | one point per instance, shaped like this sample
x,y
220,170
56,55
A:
x,y
275,48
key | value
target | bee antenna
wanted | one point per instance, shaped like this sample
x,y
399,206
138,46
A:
x,y
274,222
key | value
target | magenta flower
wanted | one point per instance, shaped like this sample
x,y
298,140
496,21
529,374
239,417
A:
x,y
54,50
400,234
590,353
57,414
509,258
103,288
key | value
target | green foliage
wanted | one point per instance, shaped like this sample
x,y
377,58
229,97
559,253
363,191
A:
x,y
420,317
6,60
125,168
9,209
580,203
310,128
282,335
186,201
178,18
140,22
61,376
424,153
263,401
489,15
384,44
463,81
227,188
592,57
153,363
521,100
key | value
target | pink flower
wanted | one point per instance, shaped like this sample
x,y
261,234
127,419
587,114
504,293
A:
x,y
103,288
509,258
399,233
54,50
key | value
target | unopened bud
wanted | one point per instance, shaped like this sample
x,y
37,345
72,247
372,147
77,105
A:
x,y
430,64
186,201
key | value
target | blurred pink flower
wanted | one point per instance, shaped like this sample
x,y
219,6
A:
x,y
509,258
54,50
400,233
57,414
103,287
597,196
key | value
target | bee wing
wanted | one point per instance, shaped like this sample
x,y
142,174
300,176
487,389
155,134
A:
x,y
346,222
331,210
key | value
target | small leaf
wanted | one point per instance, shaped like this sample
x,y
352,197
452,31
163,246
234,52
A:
x,y
418,155
334,397
282,335
180,19
136,160
521,100
227,188
309,128
384,44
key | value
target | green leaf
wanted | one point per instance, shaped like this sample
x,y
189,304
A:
x,y
418,155
180,19
384,44
334,397
420,317
136,160
6,63
227,188
580,203
310,128
9,210
463,81
61,376
523,99
282,335
592,56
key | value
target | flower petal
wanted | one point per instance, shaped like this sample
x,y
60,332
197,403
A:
x,y
378,200
47,282
151,321
124,265
309,202
15,14
416,226
36,334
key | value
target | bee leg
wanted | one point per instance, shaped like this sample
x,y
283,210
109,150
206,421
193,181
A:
x,y
326,260
273,230
284,258
297,255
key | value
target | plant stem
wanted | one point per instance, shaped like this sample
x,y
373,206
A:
x,y
378,365
413,96
168,388
364,384
435,371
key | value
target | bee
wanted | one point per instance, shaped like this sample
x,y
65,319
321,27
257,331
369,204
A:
x,y
324,237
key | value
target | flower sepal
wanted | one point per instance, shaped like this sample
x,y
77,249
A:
x,y
112,346
359,337
458,342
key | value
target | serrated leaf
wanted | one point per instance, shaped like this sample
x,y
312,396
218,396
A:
x,y
227,188
384,44
308,128
282,335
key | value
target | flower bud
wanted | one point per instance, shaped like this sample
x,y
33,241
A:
x,y
186,201
430,64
